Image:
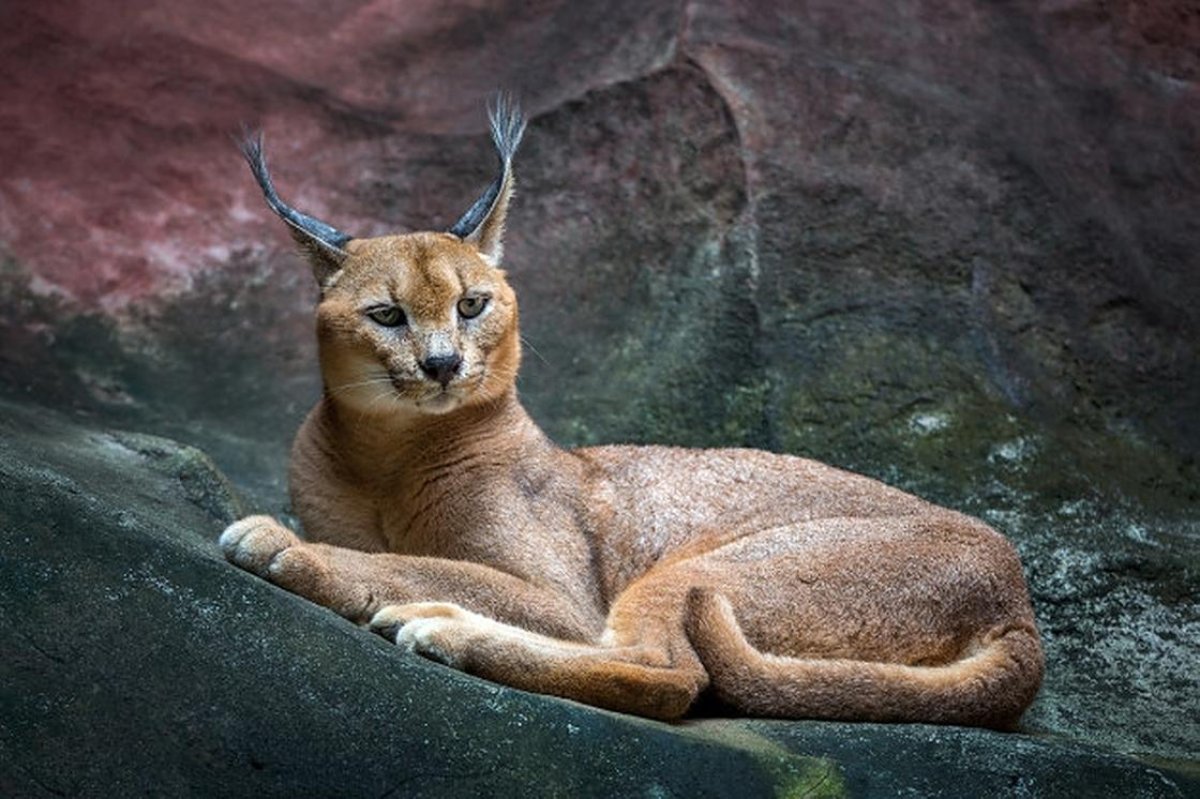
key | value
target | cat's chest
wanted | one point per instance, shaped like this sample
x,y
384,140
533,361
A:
x,y
442,517
494,517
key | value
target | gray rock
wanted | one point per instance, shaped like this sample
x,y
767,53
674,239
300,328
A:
x,y
136,661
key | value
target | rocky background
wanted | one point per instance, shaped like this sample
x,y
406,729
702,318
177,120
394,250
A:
x,y
951,244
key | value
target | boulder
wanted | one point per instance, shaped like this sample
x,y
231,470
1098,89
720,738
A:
x,y
135,661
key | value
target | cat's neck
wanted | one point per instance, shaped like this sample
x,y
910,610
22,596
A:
x,y
398,442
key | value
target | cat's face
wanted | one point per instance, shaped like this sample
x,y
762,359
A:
x,y
418,323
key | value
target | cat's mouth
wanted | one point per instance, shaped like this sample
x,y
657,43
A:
x,y
422,388
430,396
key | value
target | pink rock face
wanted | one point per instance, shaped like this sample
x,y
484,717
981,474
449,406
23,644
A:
x,y
120,179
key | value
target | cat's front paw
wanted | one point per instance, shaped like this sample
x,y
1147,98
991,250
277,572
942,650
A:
x,y
440,631
263,546
254,542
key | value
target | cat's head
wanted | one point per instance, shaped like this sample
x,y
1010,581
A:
x,y
420,322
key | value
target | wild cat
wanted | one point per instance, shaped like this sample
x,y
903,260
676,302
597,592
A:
x,y
632,578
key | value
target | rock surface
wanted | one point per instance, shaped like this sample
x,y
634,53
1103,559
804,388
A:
x,y
949,244
136,661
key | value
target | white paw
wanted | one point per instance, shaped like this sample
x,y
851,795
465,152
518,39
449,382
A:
x,y
253,542
436,630
234,533
428,637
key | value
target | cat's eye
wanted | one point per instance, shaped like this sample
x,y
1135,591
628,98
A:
x,y
388,316
472,305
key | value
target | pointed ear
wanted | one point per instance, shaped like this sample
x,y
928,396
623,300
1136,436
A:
x,y
322,244
483,223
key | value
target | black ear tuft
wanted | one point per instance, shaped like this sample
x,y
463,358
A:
x,y
309,231
484,220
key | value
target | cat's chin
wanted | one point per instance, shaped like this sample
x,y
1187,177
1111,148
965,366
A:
x,y
398,407
439,404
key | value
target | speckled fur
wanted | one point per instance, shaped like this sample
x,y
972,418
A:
x,y
634,578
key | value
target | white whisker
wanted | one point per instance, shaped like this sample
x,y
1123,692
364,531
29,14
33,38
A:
x,y
534,350
359,384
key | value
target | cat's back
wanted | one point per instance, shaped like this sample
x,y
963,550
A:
x,y
670,496
730,478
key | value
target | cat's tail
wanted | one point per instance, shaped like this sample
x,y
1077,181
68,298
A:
x,y
990,686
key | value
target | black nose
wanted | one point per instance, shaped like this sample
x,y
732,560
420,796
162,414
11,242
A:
x,y
442,368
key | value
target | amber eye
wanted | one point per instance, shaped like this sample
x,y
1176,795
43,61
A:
x,y
388,316
472,305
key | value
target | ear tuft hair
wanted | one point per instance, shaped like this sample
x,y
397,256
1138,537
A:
x,y
307,230
508,126
483,223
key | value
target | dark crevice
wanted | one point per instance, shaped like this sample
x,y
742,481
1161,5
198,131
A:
x,y
744,235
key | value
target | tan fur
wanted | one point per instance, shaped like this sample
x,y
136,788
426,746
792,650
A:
x,y
633,578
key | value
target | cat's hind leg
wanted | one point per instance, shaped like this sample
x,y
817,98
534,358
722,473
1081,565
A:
x,y
890,619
